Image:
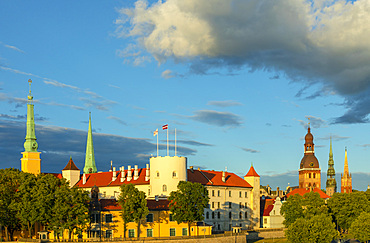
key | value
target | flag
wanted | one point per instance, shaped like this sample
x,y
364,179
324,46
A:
x,y
155,132
164,127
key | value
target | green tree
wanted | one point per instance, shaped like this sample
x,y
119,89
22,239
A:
x,y
360,228
345,207
10,180
318,228
188,202
133,206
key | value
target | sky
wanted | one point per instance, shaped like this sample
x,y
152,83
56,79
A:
x,y
238,80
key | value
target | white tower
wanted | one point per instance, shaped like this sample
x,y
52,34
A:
x,y
166,173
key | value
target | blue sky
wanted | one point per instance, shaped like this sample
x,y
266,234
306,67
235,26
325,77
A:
x,y
238,80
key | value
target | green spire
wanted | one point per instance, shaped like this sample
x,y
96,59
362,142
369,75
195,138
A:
x,y
331,172
30,145
90,157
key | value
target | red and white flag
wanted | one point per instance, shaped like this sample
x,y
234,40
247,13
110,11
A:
x,y
155,133
164,127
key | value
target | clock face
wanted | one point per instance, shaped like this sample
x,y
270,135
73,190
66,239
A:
x,y
311,164
34,145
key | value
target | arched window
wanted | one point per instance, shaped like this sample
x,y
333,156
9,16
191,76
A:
x,y
246,215
314,175
218,215
314,185
309,175
309,184
213,215
174,174
164,188
240,215
230,215
207,215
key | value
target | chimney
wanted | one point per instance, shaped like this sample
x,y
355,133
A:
x,y
136,173
147,173
223,176
111,166
129,173
278,191
84,179
114,177
123,174
191,168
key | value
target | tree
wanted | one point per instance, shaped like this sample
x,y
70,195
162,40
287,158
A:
x,y
360,228
347,207
133,206
10,180
188,202
319,228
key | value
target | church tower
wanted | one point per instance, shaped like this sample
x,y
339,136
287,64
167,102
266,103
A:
x,y
309,171
90,157
30,162
346,178
331,183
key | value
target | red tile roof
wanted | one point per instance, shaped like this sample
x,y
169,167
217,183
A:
x,y
57,175
302,191
252,172
267,210
153,205
105,179
70,165
214,178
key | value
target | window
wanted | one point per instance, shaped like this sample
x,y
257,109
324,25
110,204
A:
x,y
309,175
219,227
218,215
109,218
148,192
213,204
207,215
229,193
230,214
229,204
149,218
240,194
218,193
314,175
171,217
218,205
174,174
245,194
265,221
246,215
149,232
213,215
95,218
246,205
240,205
184,231
164,189
108,233
172,231
131,233
240,215
213,193
157,174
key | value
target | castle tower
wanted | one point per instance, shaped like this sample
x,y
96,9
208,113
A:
x,y
71,173
89,157
254,180
30,161
309,170
346,178
331,183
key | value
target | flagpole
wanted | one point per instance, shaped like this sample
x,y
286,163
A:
x,y
175,144
167,144
157,142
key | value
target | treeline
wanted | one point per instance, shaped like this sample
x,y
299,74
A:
x,y
27,200
311,219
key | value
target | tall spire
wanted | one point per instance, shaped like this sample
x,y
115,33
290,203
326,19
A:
x,y
90,157
331,183
30,145
346,171
346,178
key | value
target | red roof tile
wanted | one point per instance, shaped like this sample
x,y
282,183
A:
x,y
267,210
252,172
302,191
103,179
70,165
214,178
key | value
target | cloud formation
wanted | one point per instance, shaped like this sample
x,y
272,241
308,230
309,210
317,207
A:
x,y
315,122
249,150
224,103
311,41
217,118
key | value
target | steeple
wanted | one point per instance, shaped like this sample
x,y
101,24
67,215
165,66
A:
x,y
346,177
331,183
30,145
90,157
30,161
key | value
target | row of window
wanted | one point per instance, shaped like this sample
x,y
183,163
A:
x,y
230,192
174,174
213,205
149,232
218,215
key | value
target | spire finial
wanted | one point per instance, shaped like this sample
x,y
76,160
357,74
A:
x,y
30,97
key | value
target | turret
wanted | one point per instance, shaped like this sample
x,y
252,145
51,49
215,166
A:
x,y
254,180
71,173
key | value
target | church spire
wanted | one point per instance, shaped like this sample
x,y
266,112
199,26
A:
x,y
30,145
331,183
346,180
90,157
